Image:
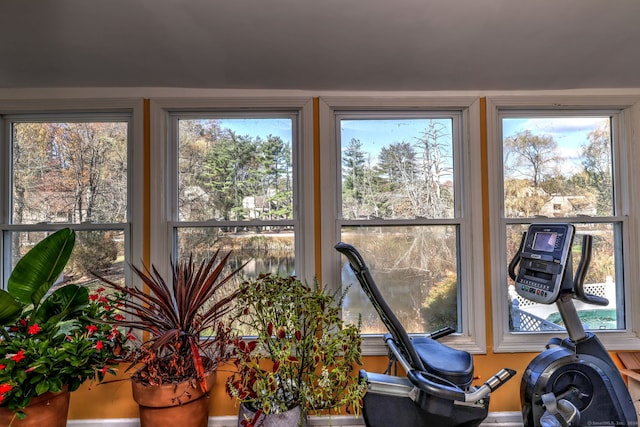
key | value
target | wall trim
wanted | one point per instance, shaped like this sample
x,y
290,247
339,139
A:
x,y
502,419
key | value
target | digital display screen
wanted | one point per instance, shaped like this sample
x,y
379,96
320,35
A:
x,y
545,241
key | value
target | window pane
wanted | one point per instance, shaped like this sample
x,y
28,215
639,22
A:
x,y
235,169
557,166
268,249
69,172
397,168
100,252
601,280
415,268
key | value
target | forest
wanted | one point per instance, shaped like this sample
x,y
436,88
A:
x,y
413,179
76,172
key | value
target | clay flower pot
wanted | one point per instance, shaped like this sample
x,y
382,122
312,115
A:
x,y
49,409
169,405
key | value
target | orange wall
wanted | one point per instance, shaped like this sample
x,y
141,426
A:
x,y
114,399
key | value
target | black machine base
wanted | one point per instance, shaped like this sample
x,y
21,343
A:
x,y
394,402
592,384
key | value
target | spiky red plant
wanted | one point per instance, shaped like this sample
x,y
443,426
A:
x,y
183,319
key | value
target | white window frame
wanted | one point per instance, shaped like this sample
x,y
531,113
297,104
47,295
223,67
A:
x,y
164,174
627,179
472,338
63,108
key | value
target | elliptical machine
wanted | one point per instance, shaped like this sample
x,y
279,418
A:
x,y
573,382
437,390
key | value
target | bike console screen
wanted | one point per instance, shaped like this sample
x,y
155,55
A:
x,y
543,260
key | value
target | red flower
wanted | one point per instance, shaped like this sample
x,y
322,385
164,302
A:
x,y
18,357
99,345
119,317
103,370
114,333
4,388
131,337
2,366
100,290
91,328
93,297
33,329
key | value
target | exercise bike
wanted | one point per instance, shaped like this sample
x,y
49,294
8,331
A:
x,y
437,389
573,382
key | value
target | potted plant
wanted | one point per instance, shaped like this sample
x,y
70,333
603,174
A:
x,y
182,321
301,358
50,338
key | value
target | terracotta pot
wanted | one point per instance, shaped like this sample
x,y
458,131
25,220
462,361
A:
x,y
291,418
47,410
184,404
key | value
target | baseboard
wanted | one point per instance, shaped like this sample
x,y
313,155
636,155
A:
x,y
495,419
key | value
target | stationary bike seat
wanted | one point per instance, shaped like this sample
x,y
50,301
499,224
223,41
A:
x,y
440,360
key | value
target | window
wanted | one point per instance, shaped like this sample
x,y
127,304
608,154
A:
x,y
69,170
401,186
235,184
563,165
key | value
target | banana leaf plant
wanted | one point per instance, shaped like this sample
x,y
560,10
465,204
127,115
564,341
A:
x,y
30,284
49,340
182,319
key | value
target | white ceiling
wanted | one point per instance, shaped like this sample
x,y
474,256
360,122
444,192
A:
x,y
321,44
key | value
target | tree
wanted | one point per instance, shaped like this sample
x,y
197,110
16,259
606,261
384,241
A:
x,y
196,137
353,171
88,170
434,165
71,171
30,160
275,171
530,156
596,161
397,162
529,161
230,169
397,169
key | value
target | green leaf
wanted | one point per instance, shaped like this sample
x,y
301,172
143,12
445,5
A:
x,y
42,387
66,327
38,269
66,302
36,379
10,308
56,385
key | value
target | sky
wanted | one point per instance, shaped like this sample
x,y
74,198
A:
x,y
569,132
374,134
263,127
377,134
